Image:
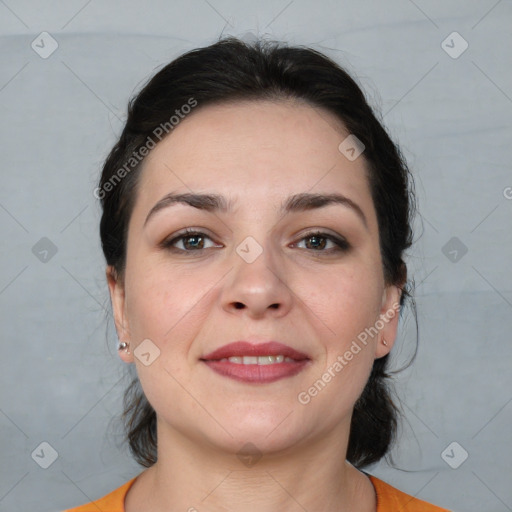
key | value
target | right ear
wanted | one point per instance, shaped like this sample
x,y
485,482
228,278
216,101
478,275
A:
x,y
117,298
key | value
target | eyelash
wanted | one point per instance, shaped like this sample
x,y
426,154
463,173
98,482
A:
x,y
341,244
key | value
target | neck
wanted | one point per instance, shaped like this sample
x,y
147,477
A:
x,y
195,477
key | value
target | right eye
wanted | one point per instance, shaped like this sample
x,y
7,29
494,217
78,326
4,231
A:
x,y
190,240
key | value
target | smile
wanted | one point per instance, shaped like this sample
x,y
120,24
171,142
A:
x,y
256,363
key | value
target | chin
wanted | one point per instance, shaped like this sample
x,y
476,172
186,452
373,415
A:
x,y
267,434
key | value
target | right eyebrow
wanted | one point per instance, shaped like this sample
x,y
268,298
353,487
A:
x,y
208,202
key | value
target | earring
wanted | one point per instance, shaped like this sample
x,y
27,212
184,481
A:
x,y
384,342
123,346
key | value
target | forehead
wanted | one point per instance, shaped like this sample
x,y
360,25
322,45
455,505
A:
x,y
256,152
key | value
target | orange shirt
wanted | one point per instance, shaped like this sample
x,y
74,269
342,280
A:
x,y
389,499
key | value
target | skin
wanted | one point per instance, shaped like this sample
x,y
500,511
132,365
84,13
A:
x,y
256,154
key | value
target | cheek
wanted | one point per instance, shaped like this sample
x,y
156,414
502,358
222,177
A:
x,y
346,299
348,302
156,301
164,307
167,304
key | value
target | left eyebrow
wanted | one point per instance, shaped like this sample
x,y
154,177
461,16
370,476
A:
x,y
296,203
308,201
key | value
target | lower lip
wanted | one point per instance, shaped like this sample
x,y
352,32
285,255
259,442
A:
x,y
255,372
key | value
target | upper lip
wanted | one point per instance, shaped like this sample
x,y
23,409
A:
x,y
244,348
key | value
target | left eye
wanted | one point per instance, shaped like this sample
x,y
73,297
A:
x,y
319,241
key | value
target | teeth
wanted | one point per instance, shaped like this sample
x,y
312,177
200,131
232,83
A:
x,y
262,360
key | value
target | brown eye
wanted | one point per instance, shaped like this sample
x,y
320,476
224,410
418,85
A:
x,y
193,241
319,242
189,241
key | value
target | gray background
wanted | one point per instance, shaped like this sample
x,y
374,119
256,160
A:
x,y
60,379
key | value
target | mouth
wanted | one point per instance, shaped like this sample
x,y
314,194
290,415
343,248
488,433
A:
x,y
262,363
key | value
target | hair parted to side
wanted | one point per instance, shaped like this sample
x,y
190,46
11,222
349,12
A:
x,y
228,71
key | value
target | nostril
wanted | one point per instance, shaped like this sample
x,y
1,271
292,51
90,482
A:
x,y
241,305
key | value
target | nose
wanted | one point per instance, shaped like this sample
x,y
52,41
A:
x,y
257,289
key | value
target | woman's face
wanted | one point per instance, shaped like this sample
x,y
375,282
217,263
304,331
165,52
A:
x,y
266,266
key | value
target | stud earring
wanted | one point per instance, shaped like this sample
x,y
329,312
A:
x,y
123,346
384,342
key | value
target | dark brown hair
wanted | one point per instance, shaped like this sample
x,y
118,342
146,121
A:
x,y
232,70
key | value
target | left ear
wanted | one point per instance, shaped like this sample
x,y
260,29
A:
x,y
387,322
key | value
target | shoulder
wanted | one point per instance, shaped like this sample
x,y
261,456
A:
x,y
113,502
391,499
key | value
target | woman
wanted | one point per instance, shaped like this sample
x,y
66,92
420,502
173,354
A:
x,y
255,218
